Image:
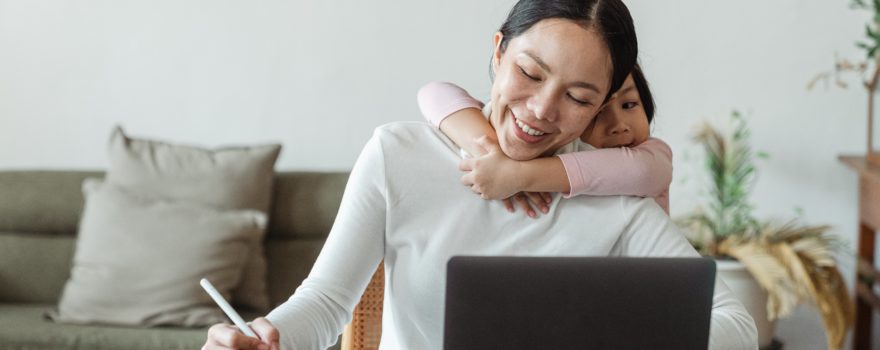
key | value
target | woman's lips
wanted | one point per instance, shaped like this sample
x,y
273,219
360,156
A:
x,y
522,135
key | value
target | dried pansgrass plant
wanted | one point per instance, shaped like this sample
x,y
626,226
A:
x,y
794,263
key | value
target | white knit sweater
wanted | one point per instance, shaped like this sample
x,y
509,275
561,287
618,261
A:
x,y
404,203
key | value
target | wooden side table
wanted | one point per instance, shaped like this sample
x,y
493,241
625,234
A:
x,y
869,223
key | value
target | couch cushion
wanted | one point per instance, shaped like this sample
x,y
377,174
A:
x,y
33,267
305,204
138,259
48,202
45,203
226,178
290,261
24,326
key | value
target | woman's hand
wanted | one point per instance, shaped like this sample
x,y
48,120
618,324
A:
x,y
494,175
225,336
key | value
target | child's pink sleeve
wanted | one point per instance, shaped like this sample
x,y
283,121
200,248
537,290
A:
x,y
644,170
438,100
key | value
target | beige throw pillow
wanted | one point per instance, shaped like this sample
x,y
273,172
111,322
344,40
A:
x,y
138,260
226,178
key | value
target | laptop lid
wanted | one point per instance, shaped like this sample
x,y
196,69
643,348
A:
x,y
578,303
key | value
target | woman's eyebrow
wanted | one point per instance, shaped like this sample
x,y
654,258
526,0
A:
x,y
587,85
539,61
545,67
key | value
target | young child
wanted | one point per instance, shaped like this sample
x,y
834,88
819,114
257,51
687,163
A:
x,y
627,162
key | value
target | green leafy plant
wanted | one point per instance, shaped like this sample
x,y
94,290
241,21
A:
x,y
870,45
793,262
871,31
732,174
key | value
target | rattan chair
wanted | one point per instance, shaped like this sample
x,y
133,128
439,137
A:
x,y
365,329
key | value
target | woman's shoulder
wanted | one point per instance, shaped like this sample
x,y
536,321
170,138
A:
x,y
405,131
413,137
645,207
575,146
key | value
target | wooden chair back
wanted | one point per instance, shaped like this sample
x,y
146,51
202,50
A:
x,y
365,329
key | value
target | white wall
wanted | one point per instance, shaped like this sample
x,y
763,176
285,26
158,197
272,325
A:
x,y
318,75
705,58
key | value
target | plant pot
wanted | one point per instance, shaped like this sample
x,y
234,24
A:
x,y
745,288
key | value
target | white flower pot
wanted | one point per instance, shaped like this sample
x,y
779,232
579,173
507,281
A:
x,y
747,290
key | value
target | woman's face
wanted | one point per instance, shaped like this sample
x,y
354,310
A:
x,y
549,84
622,123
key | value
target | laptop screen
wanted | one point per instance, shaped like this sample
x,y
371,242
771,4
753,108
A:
x,y
578,303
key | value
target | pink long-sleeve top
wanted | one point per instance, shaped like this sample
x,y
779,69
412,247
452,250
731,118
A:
x,y
644,170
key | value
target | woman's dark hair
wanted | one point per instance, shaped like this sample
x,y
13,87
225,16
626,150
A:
x,y
644,92
609,18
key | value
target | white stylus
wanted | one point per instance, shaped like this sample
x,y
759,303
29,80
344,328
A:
x,y
227,308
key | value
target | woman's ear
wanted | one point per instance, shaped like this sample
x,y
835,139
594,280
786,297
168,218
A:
x,y
496,55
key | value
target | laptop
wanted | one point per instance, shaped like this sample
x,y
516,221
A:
x,y
578,303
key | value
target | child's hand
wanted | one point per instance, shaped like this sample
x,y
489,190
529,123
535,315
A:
x,y
493,175
526,200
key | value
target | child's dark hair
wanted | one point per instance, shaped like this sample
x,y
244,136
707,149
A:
x,y
644,92
609,18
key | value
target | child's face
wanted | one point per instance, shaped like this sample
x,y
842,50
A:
x,y
622,123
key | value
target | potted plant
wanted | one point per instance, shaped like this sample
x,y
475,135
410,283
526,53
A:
x,y
770,266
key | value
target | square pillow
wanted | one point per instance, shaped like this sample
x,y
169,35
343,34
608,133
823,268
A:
x,y
225,178
138,260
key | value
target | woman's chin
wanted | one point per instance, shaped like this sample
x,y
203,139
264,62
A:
x,y
519,153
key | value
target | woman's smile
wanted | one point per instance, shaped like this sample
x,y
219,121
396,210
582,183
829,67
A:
x,y
526,132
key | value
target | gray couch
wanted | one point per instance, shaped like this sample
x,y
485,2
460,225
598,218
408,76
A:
x,y
39,212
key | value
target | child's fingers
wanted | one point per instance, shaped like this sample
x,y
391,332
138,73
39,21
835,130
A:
x,y
524,204
488,144
466,164
508,204
547,197
467,180
475,189
538,201
479,192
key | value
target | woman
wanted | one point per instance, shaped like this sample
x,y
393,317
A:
x,y
404,202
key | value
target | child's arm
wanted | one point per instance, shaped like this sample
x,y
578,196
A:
x,y
456,113
644,170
